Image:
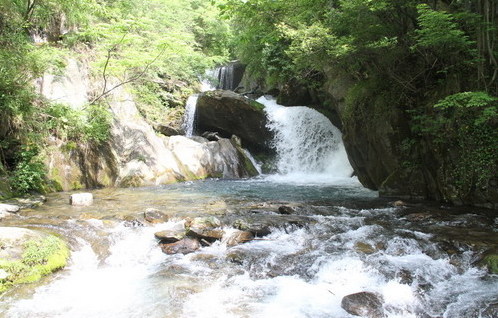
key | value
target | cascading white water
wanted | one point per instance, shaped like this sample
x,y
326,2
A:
x,y
191,105
189,117
309,148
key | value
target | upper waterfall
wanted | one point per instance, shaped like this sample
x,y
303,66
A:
x,y
309,148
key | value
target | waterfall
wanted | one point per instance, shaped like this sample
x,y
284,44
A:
x,y
188,121
191,105
309,148
228,76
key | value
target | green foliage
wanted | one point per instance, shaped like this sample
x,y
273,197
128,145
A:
x,y
40,257
29,174
91,124
464,128
439,32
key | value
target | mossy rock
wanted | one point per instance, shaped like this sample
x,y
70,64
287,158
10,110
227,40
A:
x,y
29,255
491,262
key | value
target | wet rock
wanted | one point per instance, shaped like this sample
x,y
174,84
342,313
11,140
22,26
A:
x,y
284,209
364,304
418,217
491,311
262,224
204,222
364,248
238,237
399,203
206,236
183,246
81,199
155,216
132,221
171,235
236,257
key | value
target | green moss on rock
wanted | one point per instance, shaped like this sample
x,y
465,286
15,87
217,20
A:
x,y
492,262
40,257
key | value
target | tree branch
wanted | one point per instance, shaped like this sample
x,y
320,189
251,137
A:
x,y
105,91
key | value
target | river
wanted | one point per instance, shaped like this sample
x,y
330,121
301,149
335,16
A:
x,y
421,258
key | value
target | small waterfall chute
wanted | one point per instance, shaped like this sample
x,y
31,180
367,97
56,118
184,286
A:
x,y
309,148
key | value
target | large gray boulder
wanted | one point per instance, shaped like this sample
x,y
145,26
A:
x,y
230,114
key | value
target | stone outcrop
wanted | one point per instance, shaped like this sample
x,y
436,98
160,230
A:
x,y
135,154
230,114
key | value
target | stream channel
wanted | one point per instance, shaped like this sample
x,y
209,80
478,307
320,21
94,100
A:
x,y
339,239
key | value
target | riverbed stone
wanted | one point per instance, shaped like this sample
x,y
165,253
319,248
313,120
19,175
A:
x,y
183,246
170,235
206,235
364,304
81,199
204,222
285,209
364,248
238,237
262,224
155,216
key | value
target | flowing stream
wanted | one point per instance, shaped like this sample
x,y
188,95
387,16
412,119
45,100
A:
x,y
339,239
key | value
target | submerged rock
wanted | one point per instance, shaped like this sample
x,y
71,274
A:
x,y
81,199
183,246
285,209
364,304
155,216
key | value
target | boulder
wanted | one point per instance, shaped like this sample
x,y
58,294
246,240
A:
x,y
81,199
205,222
201,158
172,234
155,216
206,236
364,304
9,208
230,114
284,209
238,237
183,246
166,130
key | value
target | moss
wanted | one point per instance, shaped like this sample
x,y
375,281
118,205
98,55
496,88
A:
x,y
492,263
40,258
256,105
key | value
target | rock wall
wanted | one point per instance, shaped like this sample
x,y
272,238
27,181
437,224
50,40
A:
x,y
135,154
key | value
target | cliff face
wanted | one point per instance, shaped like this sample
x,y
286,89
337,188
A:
x,y
388,155
134,154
